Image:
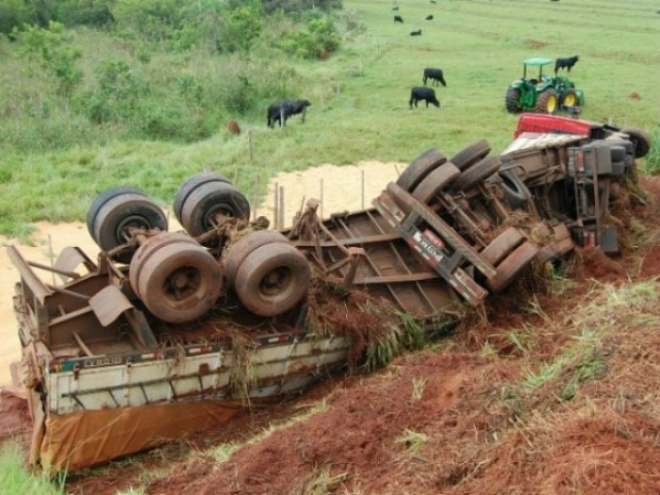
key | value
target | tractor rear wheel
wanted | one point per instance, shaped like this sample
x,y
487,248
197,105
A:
x,y
512,101
546,102
570,98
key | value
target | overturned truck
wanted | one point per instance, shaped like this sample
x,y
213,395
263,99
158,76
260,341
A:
x,y
166,333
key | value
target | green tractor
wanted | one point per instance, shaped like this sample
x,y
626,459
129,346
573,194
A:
x,y
543,94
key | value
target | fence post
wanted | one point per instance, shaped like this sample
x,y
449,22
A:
x,y
281,222
321,198
362,173
250,146
277,205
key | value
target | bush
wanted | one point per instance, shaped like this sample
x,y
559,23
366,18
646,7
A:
x,y
14,13
317,39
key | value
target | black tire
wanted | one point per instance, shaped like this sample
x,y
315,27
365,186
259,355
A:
x,y
114,219
509,269
547,102
512,101
570,98
500,247
478,172
273,279
103,198
239,250
470,154
516,193
190,185
208,200
442,176
175,277
419,168
640,139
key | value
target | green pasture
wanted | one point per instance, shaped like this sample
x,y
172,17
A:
x,y
359,99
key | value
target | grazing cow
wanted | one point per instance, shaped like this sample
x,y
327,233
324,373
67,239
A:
x,y
433,1
395,8
233,127
423,93
282,110
429,17
434,75
416,33
398,18
567,62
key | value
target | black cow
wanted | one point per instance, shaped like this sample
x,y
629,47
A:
x,y
567,62
429,17
416,33
282,110
398,18
434,75
423,93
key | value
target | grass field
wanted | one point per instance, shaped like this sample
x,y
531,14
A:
x,y
360,100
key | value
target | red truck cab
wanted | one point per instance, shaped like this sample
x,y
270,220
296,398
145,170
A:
x,y
544,123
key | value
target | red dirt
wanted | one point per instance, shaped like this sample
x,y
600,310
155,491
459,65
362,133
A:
x,y
456,421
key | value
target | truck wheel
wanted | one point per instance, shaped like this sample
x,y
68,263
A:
x,y
273,279
470,154
436,180
239,250
113,220
175,277
570,98
546,102
478,172
500,247
103,198
509,269
640,139
516,192
190,185
419,168
209,200
512,101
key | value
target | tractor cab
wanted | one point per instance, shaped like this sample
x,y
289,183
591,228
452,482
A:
x,y
540,79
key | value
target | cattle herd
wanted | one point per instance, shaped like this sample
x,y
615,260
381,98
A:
x,y
280,111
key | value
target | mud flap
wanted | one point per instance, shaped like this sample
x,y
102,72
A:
x,y
71,258
110,303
